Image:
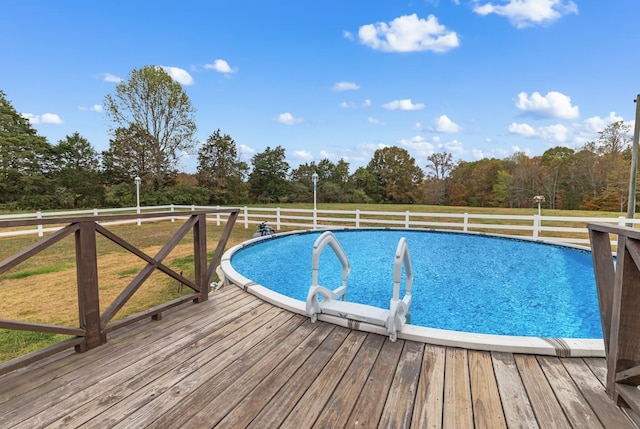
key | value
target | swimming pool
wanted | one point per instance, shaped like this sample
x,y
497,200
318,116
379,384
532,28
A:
x,y
471,283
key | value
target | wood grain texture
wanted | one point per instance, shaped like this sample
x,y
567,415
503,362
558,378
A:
x,y
458,408
427,411
487,408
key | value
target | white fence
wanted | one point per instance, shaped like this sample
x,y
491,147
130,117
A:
x,y
565,229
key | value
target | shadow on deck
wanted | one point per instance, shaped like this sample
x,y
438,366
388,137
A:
x,y
235,361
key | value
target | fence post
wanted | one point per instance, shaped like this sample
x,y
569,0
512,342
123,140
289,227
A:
x,y
88,292
217,216
406,219
246,217
40,230
357,218
465,224
621,220
172,209
277,218
536,225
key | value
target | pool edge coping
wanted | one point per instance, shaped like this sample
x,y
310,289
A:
x,y
560,347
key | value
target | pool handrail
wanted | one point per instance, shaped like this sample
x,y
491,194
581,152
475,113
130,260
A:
x,y
393,319
400,309
313,304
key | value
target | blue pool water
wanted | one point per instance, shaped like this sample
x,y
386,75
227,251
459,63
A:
x,y
462,282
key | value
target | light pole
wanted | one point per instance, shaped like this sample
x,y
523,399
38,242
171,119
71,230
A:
x,y
137,181
539,199
314,177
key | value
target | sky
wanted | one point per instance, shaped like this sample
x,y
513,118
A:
x,y
336,79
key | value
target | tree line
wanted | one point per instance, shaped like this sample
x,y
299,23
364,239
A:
x,y
153,123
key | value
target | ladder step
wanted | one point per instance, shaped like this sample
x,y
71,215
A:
x,y
356,311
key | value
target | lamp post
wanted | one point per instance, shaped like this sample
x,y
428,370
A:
x,y
314,177
539,199
137,181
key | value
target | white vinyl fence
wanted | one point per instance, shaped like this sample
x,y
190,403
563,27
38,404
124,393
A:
x,y
564,229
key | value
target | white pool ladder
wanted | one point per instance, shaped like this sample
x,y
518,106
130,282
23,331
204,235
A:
x,y
393,319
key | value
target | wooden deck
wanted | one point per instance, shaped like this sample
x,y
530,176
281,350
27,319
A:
x,y
234,362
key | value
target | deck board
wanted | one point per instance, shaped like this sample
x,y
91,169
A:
x,y
235,361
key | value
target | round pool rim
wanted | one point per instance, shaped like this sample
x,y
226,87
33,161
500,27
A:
x,y
561,347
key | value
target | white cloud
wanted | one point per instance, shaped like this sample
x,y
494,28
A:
x,y
595,124
288,119
220,66
45,118
347,35
525,13
553,105
521,129
94,108
374,121
328,155
366,103
179,75
345,86
347,105
554,133
245,150
445,125
303,154
405,104
409,33
557,133
418,125
108,77
419,145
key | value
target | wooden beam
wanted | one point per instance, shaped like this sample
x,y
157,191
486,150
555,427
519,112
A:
x,y
88,293
40,327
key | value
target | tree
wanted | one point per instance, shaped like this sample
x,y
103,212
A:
x,y
158,118
220,169
556,163
268,179
76,170
397,175
439,164
24,160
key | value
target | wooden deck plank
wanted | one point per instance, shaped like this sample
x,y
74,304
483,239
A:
x,y
515,402
249,405
159,398
427,411
150,376
273,414
594,392
284,356
487,409
366,413
338,408
575,406
235,361
194,408
457,411
310,406
42,373
398,409
60,390
599,367
543,401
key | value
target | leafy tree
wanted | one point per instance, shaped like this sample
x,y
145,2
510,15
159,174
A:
x,y
154,121
221,171
268,179
397,174
24,160
439,166
76,169
556,163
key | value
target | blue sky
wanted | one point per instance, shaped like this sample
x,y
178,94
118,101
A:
x,y
336,79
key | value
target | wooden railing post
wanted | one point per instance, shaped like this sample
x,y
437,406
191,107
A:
x,y
200,257
87,279
619,298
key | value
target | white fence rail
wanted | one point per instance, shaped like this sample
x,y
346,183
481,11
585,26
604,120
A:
x,y
565,229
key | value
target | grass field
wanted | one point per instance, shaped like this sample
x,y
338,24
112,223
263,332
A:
x,y
44,289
